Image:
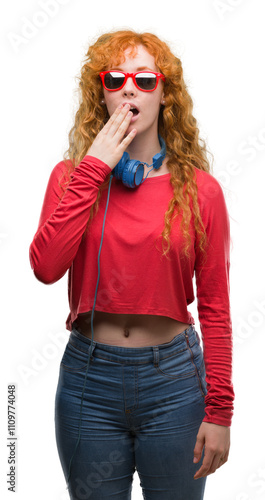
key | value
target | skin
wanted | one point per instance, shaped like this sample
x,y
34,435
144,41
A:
x,y
109,144
216,439
140,140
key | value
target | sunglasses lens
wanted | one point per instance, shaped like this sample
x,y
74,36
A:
x,y
114,80
146,81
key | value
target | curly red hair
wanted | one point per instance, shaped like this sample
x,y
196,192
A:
x,y
177,125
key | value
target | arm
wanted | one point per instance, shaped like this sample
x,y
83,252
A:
x,y
62,223
212,281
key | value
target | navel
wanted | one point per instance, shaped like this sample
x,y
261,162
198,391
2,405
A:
x,y
126,332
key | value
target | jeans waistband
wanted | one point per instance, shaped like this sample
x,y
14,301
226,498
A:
x,y
122,354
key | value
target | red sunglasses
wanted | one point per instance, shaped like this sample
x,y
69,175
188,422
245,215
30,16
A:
x,y
143,80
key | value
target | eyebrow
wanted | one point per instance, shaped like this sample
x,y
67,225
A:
x,y
138,69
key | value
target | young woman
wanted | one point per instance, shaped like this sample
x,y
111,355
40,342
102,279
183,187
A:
x,y
133,213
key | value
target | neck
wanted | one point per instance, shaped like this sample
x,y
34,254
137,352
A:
x,y
143,148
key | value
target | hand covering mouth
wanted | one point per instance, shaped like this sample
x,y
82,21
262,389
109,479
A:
x,y
133,108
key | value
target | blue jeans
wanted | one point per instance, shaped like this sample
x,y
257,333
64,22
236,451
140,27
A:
x,y
142,409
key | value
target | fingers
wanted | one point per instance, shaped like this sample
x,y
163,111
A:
x,y
128,139
216,441
112,118
120,125
116,129
110,144
118,120
206,465
197,453
211,462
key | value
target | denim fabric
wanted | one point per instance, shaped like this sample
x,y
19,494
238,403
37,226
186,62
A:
x,y
142,409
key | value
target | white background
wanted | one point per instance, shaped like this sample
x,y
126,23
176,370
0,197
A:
x,y
221,45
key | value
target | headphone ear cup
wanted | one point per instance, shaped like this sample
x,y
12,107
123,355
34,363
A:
x,y
118,170
132,174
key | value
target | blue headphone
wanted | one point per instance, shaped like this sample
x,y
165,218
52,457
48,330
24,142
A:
x,y
131,172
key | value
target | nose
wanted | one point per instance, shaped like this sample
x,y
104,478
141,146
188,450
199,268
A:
x,y
129,88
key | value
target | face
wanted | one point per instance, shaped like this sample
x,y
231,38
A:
x,y
147,103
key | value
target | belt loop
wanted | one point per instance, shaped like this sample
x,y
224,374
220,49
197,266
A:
x,y
91,349
156,356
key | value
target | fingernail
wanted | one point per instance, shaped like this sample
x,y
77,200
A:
x,y
195,460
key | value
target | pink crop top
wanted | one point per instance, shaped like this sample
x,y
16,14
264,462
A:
x,y
134,276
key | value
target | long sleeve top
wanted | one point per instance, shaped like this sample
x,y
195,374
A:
x,y
134,276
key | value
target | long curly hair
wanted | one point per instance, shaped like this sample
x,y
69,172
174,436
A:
x,y
176,124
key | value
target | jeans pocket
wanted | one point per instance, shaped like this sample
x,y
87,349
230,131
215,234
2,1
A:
x,y
74,360
176,365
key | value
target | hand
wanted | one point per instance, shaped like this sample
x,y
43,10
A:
x,y
109,145
216,439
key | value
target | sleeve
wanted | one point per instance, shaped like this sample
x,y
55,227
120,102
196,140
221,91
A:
x,y
213,289
63,222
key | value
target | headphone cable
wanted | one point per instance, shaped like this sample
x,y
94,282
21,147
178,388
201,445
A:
x,y
92,316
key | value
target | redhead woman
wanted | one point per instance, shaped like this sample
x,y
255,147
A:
x,y
133,213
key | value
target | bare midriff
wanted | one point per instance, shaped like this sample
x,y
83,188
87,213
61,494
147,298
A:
x,y
129,330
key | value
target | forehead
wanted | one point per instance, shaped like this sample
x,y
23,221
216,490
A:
x,y
137,56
